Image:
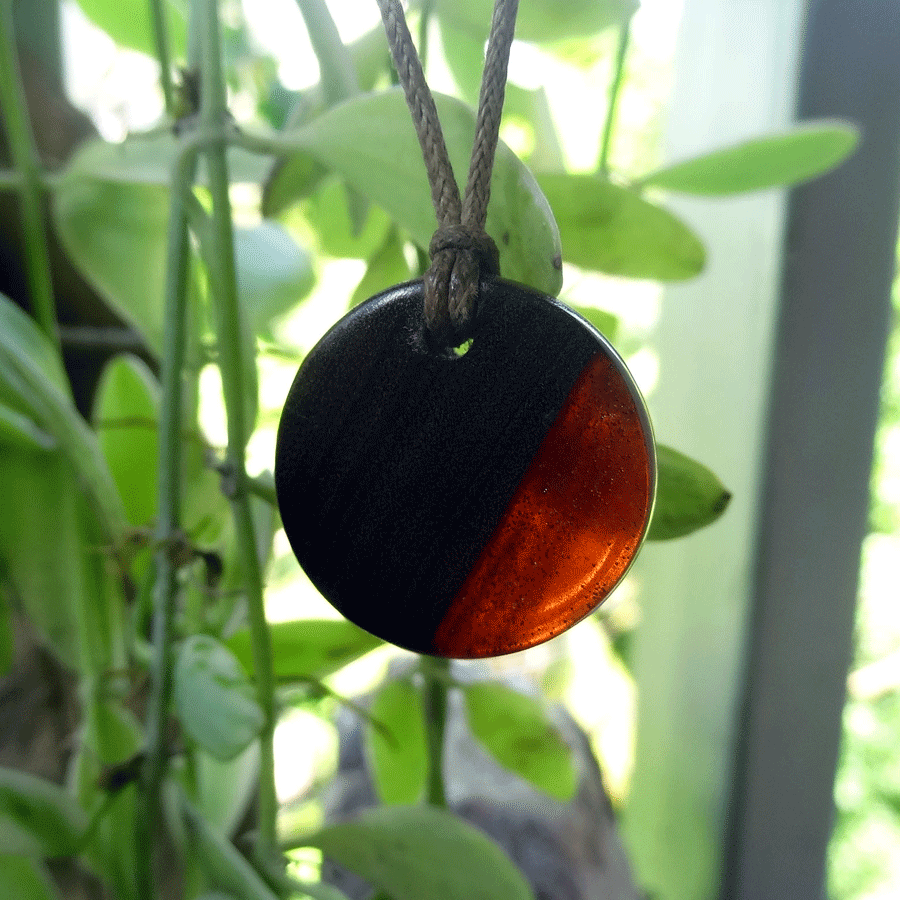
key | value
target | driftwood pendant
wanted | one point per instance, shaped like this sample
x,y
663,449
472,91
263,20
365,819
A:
x,y
465,505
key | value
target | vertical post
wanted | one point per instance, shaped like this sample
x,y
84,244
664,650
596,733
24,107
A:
x,y
735,78
832,330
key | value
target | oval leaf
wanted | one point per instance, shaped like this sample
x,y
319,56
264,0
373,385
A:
x,y
688,496
126,406
115,232
38,817
395,741
128,23
776,161
273,273
214,698
370,142
541,21
612,229
419,852
515,730
308,648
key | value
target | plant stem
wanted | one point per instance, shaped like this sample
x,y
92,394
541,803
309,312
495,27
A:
x,y
435,674
164,57
168,511
223,281
25,159
338,73
424,21
614,89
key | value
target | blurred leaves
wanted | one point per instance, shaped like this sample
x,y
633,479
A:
x,y
128,22
38,818
413,852
541,21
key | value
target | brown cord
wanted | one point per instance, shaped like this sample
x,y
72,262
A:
x,y
461,251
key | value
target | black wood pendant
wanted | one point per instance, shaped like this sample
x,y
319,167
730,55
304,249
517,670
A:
x,y
465,505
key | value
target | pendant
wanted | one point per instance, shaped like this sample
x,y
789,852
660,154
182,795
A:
x,y
465,505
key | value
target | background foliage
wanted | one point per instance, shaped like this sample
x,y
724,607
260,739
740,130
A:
x,y
149,588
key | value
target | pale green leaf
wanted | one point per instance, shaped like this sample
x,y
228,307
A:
x,y
395,742
126,406
214,698
613,229
308,648
688,496
128,22
273,273
541,21
370,142
778,160
515,730
422,853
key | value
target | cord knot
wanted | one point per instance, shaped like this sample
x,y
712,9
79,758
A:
x,y
461,255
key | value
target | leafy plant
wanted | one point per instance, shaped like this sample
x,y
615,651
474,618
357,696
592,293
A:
x,y
138,552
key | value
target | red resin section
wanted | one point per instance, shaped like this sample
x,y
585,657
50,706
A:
x,y
570,531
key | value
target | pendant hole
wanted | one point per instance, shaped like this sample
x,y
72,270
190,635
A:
x,y
463,348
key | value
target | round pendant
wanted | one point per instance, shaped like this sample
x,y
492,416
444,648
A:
x,y
465,505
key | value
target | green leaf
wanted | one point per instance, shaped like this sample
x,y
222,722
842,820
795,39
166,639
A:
x,y
387,266
419,852
370,142
128,23
395,742
149,158
225,788
273,273
20,430
541,21
115,734
328,213
613,229
25,879
775,161
43,563
605,322
292,178
308,648
115,233
126,407
515,730
30,374
688,496
37,817
214,698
